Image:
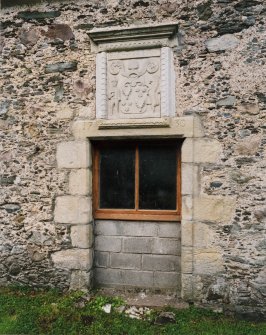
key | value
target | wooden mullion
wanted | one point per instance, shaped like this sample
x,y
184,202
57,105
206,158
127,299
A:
x,y
137,178
96,178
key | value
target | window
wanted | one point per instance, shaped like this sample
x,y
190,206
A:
x,y
137,180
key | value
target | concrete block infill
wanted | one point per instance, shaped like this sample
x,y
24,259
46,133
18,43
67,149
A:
x,y
108,243
125,261
125,228
161,263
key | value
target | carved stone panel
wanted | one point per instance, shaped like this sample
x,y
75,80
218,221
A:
x,y
133,84
135,76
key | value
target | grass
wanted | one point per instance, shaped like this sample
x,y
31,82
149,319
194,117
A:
x,y
25,311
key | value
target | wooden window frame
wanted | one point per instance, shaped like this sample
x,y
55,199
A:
x,y
134,214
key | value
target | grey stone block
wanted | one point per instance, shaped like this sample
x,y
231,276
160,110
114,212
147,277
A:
x,y
108,243
166,246
125,228
138,244
101,259
109,277
161,263
167,280
169,229
138,278
125,261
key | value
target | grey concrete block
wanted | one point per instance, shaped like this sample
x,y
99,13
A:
x,y
125,228
109,277
169,229
108,243
167,280
125,261
138,244
138,278
101,259
166,246
161,263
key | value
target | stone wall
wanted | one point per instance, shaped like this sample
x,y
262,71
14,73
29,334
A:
x,y
48,82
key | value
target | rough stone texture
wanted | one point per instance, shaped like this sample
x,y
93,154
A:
x,y
33,122
120,246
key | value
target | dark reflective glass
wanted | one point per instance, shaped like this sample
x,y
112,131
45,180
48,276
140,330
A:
x,y
117,178
157,177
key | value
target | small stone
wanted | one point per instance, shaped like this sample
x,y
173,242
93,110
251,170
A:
x,y
29,36
261,245
59,93
4,105
225,42
204,10
260,214
11,208
216,184
228,101
249,108
244,133
38,256
61,67
240,178
14,269
165,317
120,309
7,180
169,7
107,308
36,15
244,4
61,31
248,146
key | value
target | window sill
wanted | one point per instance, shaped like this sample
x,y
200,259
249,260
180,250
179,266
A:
x,y
137,216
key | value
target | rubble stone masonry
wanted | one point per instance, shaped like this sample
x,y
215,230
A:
x,y
48,89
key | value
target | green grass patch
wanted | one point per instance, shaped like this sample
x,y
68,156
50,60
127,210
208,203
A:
x,y
26,311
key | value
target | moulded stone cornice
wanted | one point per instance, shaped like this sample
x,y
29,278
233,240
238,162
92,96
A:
x,y
134,37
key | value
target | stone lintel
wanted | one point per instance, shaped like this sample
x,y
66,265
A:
x,y
145,128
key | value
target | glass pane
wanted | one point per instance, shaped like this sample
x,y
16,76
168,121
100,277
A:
x,y
157,177
117,178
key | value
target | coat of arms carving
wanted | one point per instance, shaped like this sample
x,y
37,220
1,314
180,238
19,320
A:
x,y
133,87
